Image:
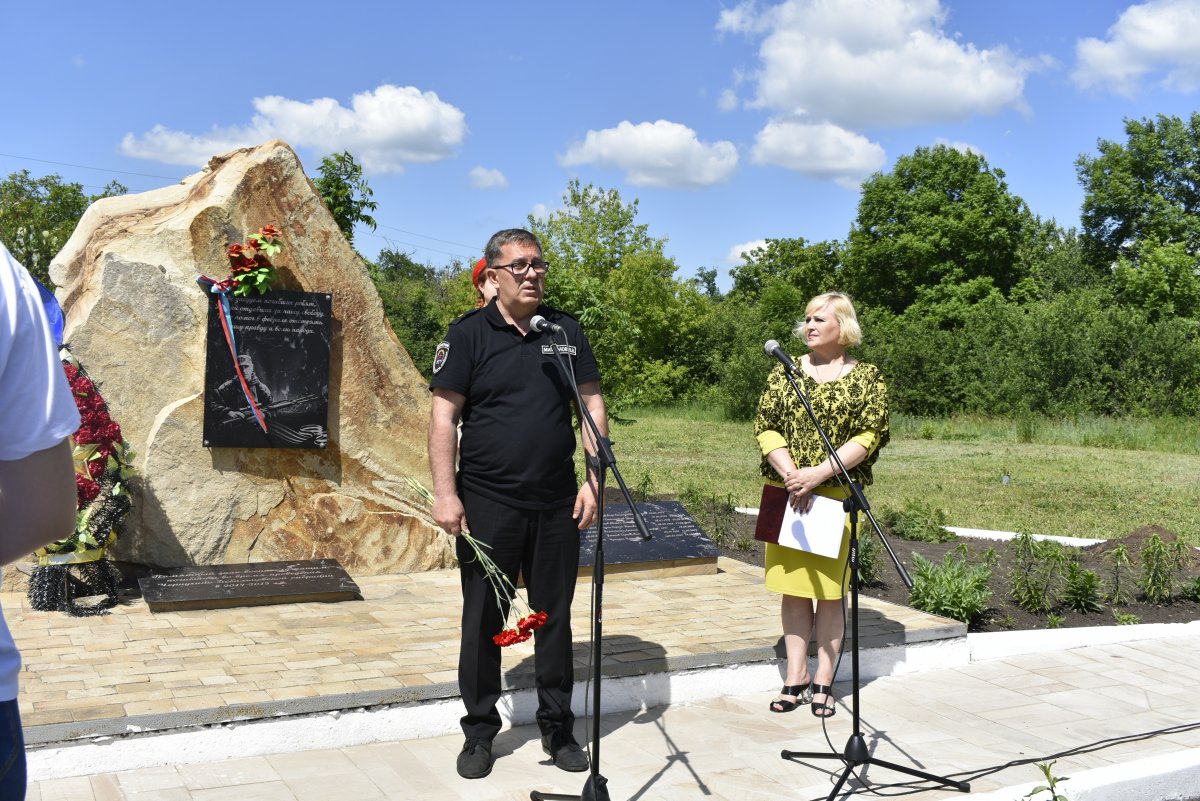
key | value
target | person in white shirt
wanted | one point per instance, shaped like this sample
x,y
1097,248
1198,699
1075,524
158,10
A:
x,y
37,473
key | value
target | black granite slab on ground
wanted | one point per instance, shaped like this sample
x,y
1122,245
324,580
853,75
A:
x,y
251,584
677,541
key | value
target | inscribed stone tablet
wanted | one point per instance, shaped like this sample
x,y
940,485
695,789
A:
x,y
252,584
677,546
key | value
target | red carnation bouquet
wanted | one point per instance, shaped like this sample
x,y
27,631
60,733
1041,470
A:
x,y
507,598
102,468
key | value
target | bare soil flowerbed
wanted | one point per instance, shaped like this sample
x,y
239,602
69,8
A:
x,y
1004,614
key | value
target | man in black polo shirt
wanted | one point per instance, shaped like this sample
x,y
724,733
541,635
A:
x,y
515,486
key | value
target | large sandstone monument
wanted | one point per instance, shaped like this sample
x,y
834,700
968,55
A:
x,y
136,318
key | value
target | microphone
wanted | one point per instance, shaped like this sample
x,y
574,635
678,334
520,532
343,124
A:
x,y
540,323
771,348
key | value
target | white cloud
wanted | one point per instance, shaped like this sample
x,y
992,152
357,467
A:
x,y
484,178
961,147
876,62
743,18
541,212
818,150
658,153
176,147
384,129
735,254
728,101
1159,36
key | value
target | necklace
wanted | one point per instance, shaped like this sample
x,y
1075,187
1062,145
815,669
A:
x,y
816,371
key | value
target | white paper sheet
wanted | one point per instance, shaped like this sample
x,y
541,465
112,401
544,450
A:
x,y
818,531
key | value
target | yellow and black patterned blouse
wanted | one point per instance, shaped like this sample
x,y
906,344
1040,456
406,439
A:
x,y
855,407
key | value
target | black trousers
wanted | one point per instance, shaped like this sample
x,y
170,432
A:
x,y
543,545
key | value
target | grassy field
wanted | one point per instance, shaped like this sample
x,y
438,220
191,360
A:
x,y
1090,478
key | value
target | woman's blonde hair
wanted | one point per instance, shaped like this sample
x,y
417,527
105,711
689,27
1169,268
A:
x,y
843,310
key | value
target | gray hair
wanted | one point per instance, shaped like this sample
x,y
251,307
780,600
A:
x,y
506,237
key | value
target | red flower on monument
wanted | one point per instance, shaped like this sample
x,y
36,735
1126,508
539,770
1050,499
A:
x,y
250,267
102,467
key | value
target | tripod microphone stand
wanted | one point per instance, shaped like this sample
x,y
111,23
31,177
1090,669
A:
x,y
856,752
595,788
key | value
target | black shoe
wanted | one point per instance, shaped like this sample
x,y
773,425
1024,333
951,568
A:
x,y
475,759
565,752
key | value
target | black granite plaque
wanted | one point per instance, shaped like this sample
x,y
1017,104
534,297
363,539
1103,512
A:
x,y
677,541
252,584
282,340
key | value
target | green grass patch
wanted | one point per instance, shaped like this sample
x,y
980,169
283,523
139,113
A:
x,y
1054,487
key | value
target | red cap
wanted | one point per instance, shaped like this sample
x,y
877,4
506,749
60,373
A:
x,y
477,273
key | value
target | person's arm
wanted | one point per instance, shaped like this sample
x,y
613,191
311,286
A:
x,y
802,481
444,415
37,500
587,501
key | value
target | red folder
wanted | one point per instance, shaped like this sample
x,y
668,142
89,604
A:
x,y
771,509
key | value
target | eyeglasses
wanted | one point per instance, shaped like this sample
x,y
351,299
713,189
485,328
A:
x,y
521,268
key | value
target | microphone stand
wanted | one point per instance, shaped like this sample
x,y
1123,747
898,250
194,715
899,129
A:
x,y
596,786
856,752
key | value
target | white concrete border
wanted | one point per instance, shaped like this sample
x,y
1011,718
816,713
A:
x,y
439,718
1168,777
987,646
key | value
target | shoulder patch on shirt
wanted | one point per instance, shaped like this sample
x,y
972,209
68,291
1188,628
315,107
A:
x,y
441,355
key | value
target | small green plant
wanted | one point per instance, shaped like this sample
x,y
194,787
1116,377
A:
x,y
717,517
1081,589
1033,583
643,488
991,558
1191,590
952,589
1027,427
1125,618
927,430
1051,785
1005,621
1161,562
917,521
1119,578
868,560
1054,621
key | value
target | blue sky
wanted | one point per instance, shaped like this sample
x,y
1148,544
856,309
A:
x,y
729,122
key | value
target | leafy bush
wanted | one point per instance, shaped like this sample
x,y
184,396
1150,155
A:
x,y
1161,563
1191,590
1081,589
1033,583
868,560
917,521
1119,578
952,589
716,516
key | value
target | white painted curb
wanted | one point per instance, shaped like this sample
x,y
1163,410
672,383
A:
x,y
1169,777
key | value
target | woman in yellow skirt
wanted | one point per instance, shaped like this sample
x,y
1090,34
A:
x,y
850,400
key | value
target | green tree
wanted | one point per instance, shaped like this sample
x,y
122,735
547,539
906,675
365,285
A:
x,y
38,215
1162,280
420,301
345,191
811,268
593,232
1147,189
941,215
648,328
